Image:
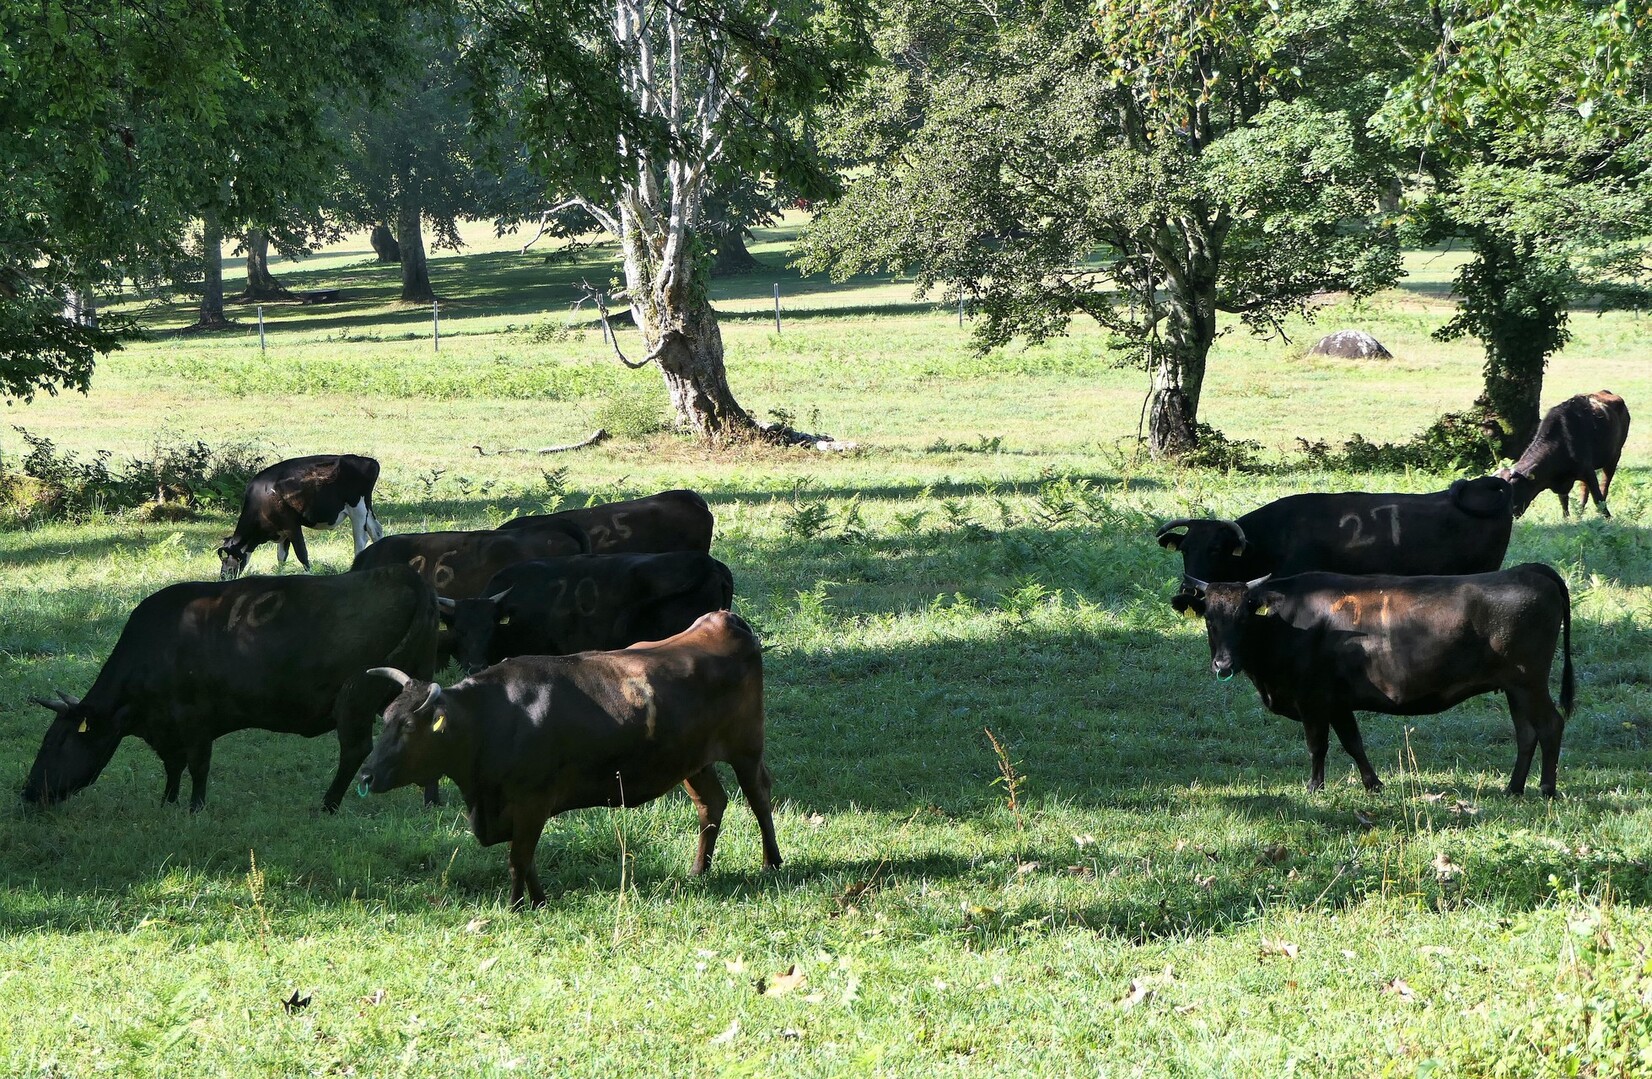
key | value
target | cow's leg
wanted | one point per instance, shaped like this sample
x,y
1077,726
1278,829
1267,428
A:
x,y
1347,728
280,555
374,529
1536,723
709,798
1525,739
353,710
755,784
174,777
433,793
200,759
300,549
1565,496
524,841
1318,733
1592,490
358,524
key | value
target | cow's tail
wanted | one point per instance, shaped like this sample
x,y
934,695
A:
x,y
1568,684
725,584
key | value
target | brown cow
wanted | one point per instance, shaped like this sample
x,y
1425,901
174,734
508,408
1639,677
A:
x,y
669,521
1577,438
535,736
1317,646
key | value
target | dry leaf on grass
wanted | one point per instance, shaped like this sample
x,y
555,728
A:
x,y
778,985
1365,819
376,997
1444,868
815,820
1398,988
728,1035
1464,809
1023,868
736,966
1279,947
1274,854
1433,797
487,964
1139,991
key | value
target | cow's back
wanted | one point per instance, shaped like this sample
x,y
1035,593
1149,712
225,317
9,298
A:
x,y
1463,530
270,652
677,520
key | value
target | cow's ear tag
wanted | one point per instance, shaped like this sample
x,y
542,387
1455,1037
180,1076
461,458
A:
x,y
1262,609
82,727
505,620
439,722
1189,613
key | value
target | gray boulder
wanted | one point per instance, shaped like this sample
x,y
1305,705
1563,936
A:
x,y
1350,345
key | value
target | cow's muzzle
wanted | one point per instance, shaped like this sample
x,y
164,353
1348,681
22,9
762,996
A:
x,y
1224,668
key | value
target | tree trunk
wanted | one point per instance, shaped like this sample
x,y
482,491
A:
x,y
415,269
1178,361
1520,317
261,284
732,255
384,243
212,264
679,328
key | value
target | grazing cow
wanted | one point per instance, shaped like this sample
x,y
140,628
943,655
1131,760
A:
x,y
304,492
200,660
459,564
586,603
1463,529
668,521
1318,646
539,735
1577,438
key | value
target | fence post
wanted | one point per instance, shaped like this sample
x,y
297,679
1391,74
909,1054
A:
x,y
260,327
436,325
777,307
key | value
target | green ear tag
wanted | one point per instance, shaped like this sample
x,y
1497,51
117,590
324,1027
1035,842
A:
x,y
361,788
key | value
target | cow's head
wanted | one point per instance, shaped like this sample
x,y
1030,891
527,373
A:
x,y
233,555
1212,549
410,747
1227,608
475,624
1524,488
77,747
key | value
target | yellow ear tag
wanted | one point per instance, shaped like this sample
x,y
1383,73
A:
x,y
1189,612
440,722
1262,609
82,727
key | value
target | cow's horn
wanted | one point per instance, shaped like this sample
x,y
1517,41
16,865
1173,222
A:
x,y
1170,526
393,674
499,597
57,706
68,700
1258,581
445,604
1197,584
432,697
1237,531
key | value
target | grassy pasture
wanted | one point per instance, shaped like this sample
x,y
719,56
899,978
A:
x,y
1160,897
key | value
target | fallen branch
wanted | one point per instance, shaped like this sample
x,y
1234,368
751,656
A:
x,y
601,434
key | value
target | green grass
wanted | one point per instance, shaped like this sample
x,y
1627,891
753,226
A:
x,y
1164,898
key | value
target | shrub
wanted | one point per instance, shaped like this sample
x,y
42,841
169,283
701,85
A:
x,y
634,409
48,483
1456,442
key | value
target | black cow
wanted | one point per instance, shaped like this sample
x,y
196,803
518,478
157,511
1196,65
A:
x,y
1318,646
197,661
459,564
1577,438
539,735
304,492
1463,529
556,606
668,521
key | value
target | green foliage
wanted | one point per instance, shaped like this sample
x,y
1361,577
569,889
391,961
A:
x,y
1059,164
49,484
1457,442
634,408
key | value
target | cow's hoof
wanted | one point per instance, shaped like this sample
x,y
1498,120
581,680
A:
x,y
1549,792
1515,792
1374,785
1315,786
